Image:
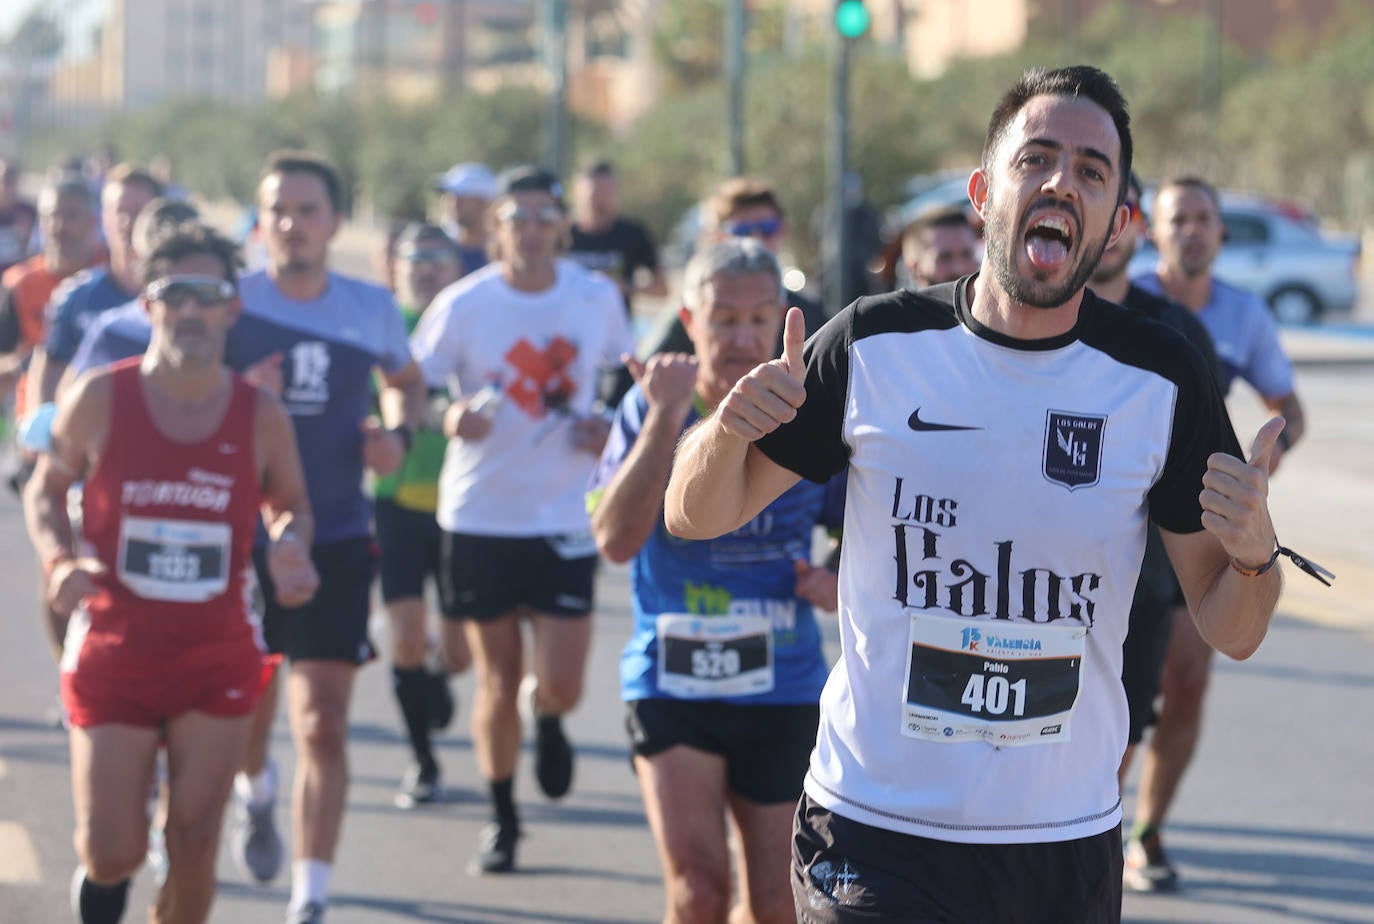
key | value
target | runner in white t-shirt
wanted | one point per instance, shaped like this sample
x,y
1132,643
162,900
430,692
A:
x,y
1007,437
520,344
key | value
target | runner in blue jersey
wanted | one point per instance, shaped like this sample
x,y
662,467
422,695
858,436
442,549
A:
x,y
723,672
127,193
315,337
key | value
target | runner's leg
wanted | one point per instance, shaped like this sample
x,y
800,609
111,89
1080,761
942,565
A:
x,y
684,793
763,832
203,753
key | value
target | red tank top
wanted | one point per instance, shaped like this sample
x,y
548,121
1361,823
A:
x,y
173,524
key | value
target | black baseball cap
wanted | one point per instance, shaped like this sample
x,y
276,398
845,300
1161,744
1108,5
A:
x,y
528,178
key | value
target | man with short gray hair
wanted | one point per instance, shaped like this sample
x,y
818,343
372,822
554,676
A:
x,y
67,219
723,672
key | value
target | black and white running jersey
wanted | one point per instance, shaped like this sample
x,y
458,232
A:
x,y
998,493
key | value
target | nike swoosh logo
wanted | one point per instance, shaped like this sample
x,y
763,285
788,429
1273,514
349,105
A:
x,y
916,423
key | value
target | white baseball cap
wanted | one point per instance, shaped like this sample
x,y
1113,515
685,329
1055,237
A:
x,y
470,179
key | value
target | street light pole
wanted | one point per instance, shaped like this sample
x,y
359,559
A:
x,y
556,59
735,25
836,242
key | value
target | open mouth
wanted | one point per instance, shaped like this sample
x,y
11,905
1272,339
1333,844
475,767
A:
x,y
1048,240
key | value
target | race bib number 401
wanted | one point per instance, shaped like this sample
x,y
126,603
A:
x,y
1000,682
714,656
174,560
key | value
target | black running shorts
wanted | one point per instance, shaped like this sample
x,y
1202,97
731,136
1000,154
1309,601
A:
x,y
333,625
485,577
766,748
844,871
409,542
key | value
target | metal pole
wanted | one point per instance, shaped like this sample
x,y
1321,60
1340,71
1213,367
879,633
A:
x,y
836,238
734,72
1211,79
556,57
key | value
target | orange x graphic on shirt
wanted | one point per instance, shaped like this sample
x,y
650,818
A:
x,y
542,381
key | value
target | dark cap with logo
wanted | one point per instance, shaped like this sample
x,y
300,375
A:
x,y
528,178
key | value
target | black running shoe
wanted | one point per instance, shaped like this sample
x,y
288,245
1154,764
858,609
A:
x,y
495,849
420,786
1147,867
553,757
442,701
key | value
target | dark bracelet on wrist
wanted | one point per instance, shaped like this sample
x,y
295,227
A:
x,y
1284,440
1256,572
404,433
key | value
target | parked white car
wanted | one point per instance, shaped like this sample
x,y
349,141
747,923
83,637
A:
x,y
1271,249
1302,272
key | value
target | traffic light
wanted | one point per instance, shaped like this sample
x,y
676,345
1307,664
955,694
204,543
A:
x,y
851,18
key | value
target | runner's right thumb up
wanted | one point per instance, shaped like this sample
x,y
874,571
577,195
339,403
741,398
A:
x,y
793,337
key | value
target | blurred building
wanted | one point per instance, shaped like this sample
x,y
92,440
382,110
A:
x,y
413,51
154,50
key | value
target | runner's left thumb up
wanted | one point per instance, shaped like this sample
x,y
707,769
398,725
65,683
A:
x,y
1263,446
793,338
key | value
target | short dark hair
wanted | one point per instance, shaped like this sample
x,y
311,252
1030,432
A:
x,y
1191,181
159,217
69,184
739,193
416,232
529,178
126,174
308,162
189,240
1080,80
944,216
596,168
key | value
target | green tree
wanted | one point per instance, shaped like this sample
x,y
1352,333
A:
x,y
37,36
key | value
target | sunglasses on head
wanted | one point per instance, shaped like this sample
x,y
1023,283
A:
x,y
513,214
430,255
205,291
764,227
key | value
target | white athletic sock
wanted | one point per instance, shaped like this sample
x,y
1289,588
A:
x,y
309,882
257,790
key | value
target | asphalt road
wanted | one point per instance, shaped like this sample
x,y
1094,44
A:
x,y
1275,823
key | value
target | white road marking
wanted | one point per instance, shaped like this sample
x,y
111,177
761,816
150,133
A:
x,y
18,860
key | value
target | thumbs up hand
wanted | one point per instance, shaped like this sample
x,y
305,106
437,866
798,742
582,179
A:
x,y
1235,496
769,395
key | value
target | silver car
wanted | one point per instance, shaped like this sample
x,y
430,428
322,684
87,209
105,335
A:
x,y
1284,258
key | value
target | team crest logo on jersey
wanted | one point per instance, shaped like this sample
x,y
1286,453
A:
x,y
1073,448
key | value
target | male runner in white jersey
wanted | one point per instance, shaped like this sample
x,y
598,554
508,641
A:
x,y
536,329
1007,438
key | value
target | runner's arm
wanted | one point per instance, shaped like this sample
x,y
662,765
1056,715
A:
x,y
78,435
720,480
1232,610
45,372
285,503
1290,408
631,505
403,398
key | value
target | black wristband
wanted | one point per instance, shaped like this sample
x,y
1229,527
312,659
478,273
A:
x,y
403,432
1284,440
1256,572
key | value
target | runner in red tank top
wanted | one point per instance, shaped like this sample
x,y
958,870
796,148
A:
x,y
163,646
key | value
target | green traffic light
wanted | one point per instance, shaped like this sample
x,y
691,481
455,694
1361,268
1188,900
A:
x,y
851,18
